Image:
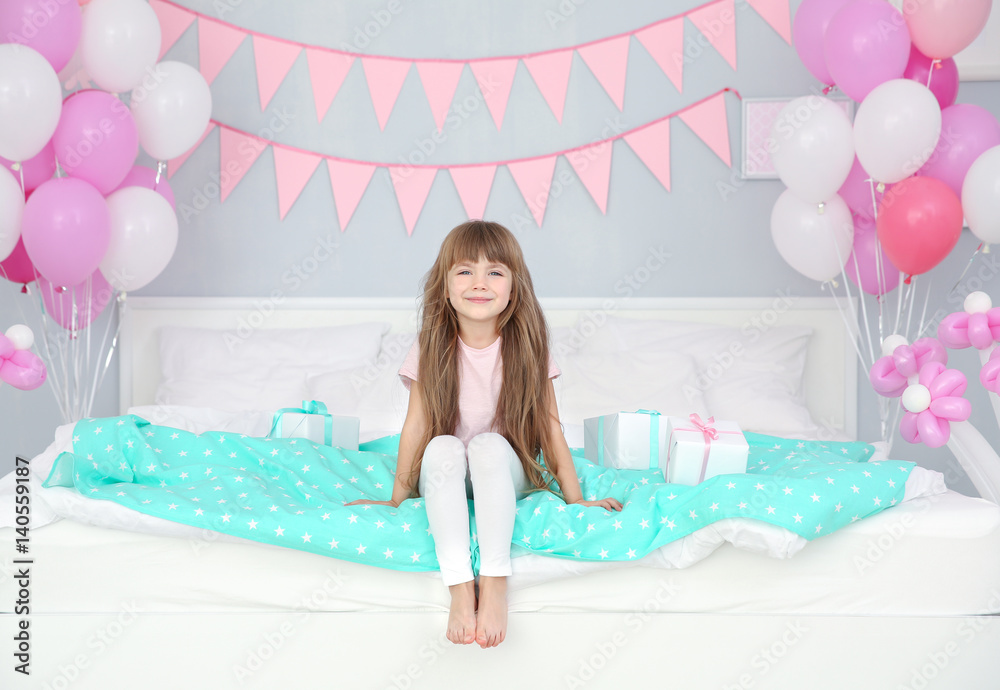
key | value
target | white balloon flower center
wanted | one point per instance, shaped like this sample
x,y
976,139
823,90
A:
x,y
916,398
891,342
977,303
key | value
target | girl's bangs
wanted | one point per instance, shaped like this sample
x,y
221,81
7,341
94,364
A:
x,y
479,239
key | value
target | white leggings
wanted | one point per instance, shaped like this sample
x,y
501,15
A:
x,y
491,474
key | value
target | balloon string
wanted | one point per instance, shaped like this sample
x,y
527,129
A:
x,y
967,267
160,165
930,72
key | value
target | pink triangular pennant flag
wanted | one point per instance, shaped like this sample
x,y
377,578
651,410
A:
x,y
412,186
216,44
174,164
709,122
717,22
665,43
237,154
385,79
775,13
174,21
349,181
608,60
327,71
534,179
652,146
593,167
495,77
551,73
292,169
473,184
440,80
273,58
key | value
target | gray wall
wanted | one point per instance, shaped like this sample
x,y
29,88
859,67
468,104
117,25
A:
x,y
720,242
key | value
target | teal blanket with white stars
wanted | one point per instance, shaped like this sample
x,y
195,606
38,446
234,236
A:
x,y
291,492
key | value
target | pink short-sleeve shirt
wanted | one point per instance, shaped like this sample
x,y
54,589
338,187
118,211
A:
x,y
479,376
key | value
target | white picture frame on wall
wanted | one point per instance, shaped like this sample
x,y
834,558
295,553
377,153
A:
x,y
759,115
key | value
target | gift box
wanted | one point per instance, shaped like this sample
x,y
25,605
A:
x,y
626,440
313,422
697,449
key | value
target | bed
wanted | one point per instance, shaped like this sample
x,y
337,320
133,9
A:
x,y
905,598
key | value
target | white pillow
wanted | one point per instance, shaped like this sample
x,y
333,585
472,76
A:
x,y
265,369
750,376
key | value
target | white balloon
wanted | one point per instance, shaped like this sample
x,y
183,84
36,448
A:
x,y
896,129
143,237
916,398
813,147
981,196
11,210
814,243
119,42
172,111
891,342
30,102
20,336
977,303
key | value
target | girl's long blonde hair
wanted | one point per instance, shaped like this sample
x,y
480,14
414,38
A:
x,y
522,413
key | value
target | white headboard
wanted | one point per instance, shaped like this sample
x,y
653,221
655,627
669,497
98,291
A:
x,y
831,364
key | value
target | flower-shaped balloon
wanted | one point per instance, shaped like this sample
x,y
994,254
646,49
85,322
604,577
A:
x,y
902,363
932,404
19,366
977,326
989,375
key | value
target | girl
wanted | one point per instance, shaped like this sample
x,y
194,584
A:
x,y
481,409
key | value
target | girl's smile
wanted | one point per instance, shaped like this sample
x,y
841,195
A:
x,y
479,291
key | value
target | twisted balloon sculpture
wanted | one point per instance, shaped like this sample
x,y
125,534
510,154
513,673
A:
x,y
19,366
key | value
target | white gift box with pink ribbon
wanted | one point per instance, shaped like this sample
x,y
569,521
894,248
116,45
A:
x,y
699,449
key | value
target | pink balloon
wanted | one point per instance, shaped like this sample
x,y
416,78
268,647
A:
x,y
49,26
943,81
811,20
96,139
141,176
866,44
919,223
861,266
36,170
989,375
966,132
74,308
960,330
23,370
943,28
857,192
66,228
17,268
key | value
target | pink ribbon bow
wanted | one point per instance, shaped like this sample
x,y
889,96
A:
x,y
22,369
706,428
890,374
960,329
931,425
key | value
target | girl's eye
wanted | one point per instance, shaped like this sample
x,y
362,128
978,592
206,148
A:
x,y
496,273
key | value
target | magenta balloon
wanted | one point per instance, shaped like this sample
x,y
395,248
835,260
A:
x,y
808,28
96,139
864,273
966,132
141,176
52,27
74,308
17,268
36,170
866,44
944,80
66,228
857,191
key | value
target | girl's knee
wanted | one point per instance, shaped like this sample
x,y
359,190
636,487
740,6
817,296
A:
x,y
442,448
444,458
491,453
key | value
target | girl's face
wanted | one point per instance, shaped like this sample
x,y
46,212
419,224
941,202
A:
x,y
479,291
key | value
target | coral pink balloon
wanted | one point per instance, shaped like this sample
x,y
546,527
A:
x,y
811,20
919,223
943,76
49,26
861,266
866,44
96,139
141,176
74,308
66,228
857,192
943,28
17,268
36,170
967,131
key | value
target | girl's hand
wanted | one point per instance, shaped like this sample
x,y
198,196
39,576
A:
x,y
606,503
377,503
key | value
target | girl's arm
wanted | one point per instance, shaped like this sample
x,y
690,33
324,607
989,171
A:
x,y
561,464
413,431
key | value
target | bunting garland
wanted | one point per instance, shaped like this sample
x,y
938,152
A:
x,y
294,167
606,58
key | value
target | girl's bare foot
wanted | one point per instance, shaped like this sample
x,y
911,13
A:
x,y
491,619
462,616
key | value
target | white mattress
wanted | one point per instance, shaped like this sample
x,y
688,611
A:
x,y
931,556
